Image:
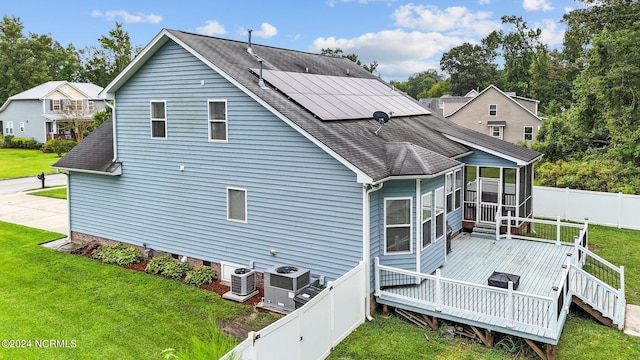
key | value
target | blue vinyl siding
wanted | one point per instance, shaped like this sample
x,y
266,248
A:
x,y
485,159
302,203
433,256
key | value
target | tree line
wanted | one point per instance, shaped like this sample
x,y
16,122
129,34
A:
x,y
589,91
29,60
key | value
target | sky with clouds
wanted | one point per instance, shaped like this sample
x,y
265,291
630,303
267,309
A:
x,y
404,37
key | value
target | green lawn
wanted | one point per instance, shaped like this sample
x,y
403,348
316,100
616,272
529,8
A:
x,y
100,311
20,163
56,193
582,338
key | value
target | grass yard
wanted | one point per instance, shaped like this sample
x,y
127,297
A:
x,y
100,311
21,162
56,193
582,338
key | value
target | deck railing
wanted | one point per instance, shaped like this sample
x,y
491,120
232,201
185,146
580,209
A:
x,y
556,231
481,302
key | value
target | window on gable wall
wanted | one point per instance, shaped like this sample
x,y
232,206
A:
x,y
493,110
158,120
496,131
217,120
427,233
237,205
397,225
528,133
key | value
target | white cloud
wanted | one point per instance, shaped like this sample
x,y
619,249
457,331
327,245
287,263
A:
x,y
266,31
536,5
212,27
551,35
484,2
127,18
457,20
399,53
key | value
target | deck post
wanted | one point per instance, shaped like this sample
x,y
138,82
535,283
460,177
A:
x,y
498,223
509,225
510,322
554,309
438,291
376,276
558,230
621,302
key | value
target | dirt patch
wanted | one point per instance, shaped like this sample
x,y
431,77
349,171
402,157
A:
x,y
594,248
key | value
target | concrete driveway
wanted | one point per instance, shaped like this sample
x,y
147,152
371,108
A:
x,y
18,207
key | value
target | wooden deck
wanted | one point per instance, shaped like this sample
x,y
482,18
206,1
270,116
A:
x,y
538,264
460,293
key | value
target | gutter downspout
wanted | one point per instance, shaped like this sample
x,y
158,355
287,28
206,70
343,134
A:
x,y
366,248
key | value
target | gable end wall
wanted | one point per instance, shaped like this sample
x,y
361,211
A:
x,y
302,203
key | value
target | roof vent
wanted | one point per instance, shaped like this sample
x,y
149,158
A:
x,y
249,50
260,80
382,118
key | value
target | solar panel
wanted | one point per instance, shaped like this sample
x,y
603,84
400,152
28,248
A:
x,y
341,98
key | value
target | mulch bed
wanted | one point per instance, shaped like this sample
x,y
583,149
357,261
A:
x,y
216,286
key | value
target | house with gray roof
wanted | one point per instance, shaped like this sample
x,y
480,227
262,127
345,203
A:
x,y
503,115
42,112
236,154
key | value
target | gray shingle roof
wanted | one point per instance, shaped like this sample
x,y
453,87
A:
x,y
94,153
355,141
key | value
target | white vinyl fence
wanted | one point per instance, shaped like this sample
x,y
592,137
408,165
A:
x,y
311,331
610,209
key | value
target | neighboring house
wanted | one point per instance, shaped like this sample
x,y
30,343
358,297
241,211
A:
x,y
41,112
499,114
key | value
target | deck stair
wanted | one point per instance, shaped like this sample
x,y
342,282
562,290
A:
x,y
484,230
597,298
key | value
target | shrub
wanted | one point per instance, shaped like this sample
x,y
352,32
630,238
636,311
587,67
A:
x,y
166,266
200,276
176,270
7,140
158,264
60,146
117,254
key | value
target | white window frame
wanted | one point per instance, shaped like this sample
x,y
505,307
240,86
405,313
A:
x,y
439,193
152,119
500,131
56,105
211,121
8,128
427,205
229,218
493,108
457,189
524,133
21,126
449,194
386,226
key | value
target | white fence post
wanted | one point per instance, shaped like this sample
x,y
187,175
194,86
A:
x,y
438,291
510,314
509,224
498,223
558,230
